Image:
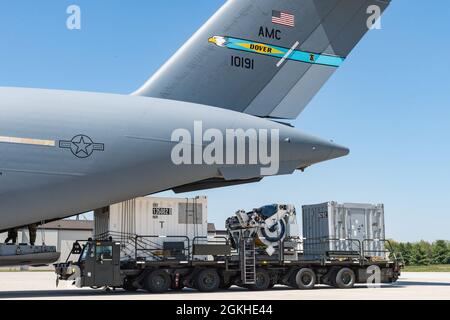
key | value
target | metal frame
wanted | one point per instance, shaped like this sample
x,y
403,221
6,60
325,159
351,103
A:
x,y
228,260
151,250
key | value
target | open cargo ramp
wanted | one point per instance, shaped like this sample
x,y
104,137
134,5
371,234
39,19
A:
x,y
26,255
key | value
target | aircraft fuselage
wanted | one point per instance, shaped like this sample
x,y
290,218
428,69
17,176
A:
x,y
63,153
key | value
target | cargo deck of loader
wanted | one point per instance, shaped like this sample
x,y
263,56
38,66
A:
x,y
131,264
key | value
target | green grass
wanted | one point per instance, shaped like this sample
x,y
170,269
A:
x,y
430,268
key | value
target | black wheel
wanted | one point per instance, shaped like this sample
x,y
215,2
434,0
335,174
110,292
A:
x,y
128,285
262,281
157,281
345,278
305,279
207,280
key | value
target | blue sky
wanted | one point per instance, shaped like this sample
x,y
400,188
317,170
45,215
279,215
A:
x,y
389,103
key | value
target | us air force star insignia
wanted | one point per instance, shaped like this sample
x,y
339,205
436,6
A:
x,y
81,146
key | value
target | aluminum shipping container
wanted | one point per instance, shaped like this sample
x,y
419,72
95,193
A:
x,y
332,227
168,222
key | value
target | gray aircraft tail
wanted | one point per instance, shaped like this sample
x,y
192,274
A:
x,y
267,58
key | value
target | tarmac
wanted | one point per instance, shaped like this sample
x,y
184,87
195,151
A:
x,y
411,286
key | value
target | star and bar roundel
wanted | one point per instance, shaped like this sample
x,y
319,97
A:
x,y
81,146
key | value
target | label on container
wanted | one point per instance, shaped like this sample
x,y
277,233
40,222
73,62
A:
x,y
162,211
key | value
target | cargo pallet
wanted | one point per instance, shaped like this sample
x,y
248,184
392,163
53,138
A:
x,y
134,262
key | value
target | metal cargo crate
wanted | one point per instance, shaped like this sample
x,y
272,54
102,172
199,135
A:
x,y
343,229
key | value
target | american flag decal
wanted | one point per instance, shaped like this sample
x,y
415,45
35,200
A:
x,y
283,18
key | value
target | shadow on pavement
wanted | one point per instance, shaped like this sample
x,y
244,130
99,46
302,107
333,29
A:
x,y
118,293
105,294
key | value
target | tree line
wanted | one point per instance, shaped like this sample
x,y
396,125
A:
x,y
423,253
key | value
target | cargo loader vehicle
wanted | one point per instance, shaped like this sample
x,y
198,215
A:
x,y
262,250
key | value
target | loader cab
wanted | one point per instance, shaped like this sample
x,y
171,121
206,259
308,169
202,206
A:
x,y
100,264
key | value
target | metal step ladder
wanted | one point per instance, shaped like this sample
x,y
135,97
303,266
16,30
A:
x,y
248,261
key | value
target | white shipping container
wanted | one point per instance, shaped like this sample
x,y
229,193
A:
x,y
155,216
343,227
164,221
